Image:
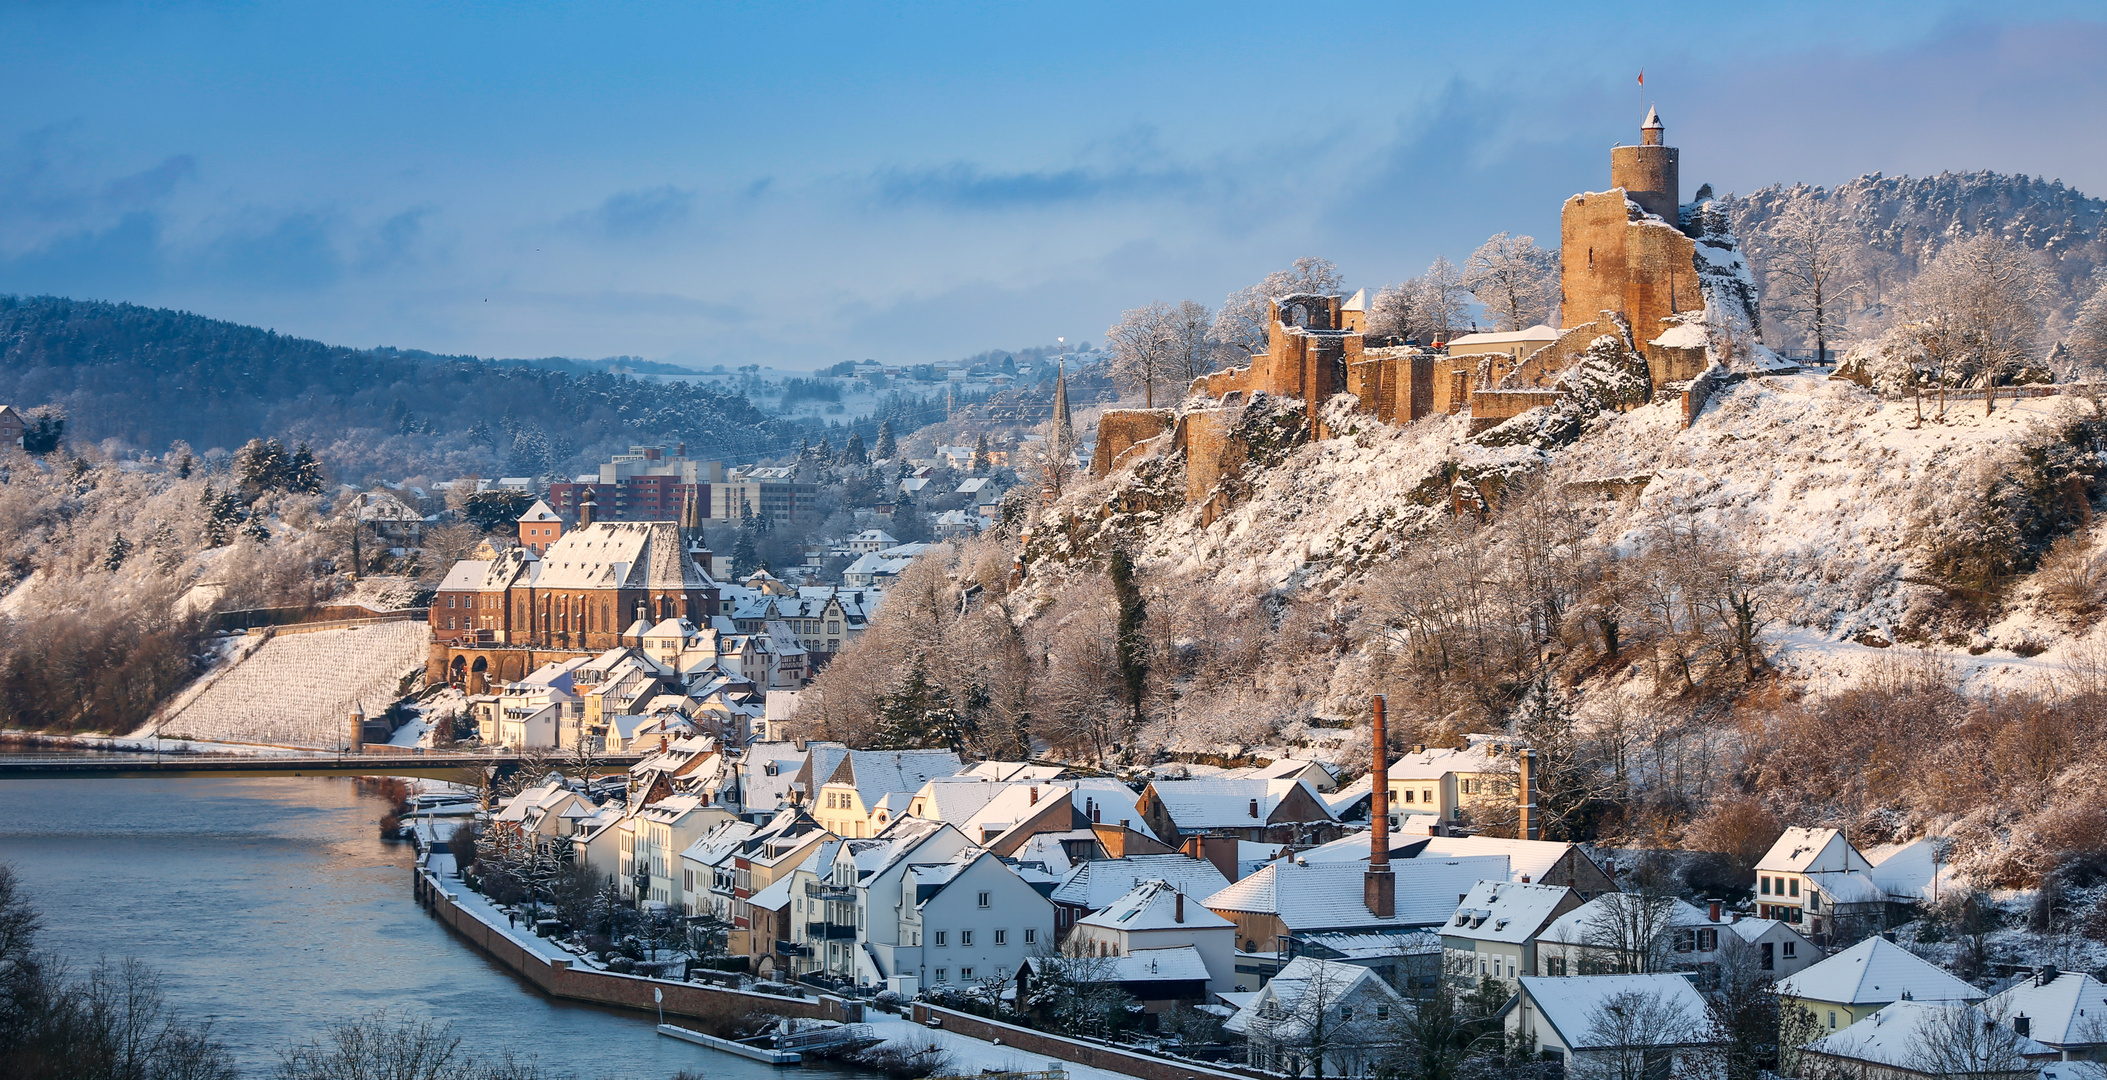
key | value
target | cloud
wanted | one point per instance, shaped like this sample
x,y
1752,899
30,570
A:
x,y
645,212
389,245
964,186
294,251
150,186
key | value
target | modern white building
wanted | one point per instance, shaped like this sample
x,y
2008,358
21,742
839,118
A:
x,y
964,921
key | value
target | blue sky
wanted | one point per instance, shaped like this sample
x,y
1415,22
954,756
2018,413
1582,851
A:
x,y
798,184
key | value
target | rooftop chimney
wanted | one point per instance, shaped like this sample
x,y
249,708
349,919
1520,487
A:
x,y
1714,906
1178,915
1254,808
1379,889
1527,828
587,502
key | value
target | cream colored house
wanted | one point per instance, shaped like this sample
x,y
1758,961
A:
x,y
1493,933
1865,978
1447,782
848,802
664,829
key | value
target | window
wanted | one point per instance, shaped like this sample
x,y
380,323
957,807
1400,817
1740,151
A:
x,y
1685,940
1708,940
1002,937
1763,884
687,880
943,937
983,899
1408,794
1832,1019
1792,887
945,976
1031,936
965,973
1792,948
1555,966
1427,795
1770,962
1382,1010
1346,1012
965,937
449,602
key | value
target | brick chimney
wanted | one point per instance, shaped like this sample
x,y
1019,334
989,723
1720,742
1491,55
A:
x,y
1218,850
1379,887
587,503
1527,828
1178,913
1713,907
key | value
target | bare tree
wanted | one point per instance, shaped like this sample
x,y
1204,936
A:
x,y
1629,933
1191,331
1398,311
1312,1022
1811,267
2088,334
1443,292
1962,1041
1632,1034
1143,348
1072,987
1515,280
1977,311
398,1049
1243,323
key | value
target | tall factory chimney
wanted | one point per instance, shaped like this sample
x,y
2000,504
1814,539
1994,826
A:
x,y
1380,888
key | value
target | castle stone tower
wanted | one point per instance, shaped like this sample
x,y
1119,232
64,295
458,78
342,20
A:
x,y
1650,173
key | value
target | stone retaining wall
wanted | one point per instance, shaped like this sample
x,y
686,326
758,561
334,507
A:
x,y
717,1010
1095,1055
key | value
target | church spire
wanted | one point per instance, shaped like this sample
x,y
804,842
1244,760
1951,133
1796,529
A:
x,y
1062,434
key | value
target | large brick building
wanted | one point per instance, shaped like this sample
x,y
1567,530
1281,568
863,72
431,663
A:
x,y
649,484
582,595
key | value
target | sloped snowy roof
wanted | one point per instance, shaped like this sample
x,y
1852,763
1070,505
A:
x,y
1330,896
1570,1004
2070,1009
775,897
1803,850
1437,762
1578,926
1875,970
1099,882
1224,803
1504,911
539,512
1302,976
873,773
1154,905
1539,333
1897,1035
466,574
1178,964
1906,870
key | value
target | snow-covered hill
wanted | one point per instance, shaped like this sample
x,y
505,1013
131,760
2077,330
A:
x,y
298,689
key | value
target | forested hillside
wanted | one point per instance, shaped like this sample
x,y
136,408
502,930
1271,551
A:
x,y
148,377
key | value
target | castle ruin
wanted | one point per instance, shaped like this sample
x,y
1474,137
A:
x,y
1663,280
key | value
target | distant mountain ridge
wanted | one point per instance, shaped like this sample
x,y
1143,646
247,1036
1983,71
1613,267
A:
x,y
148,377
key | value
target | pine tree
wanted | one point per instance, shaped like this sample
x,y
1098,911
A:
x,y
885,448
303,474
919,713
825,451
745,555
119,550
1131,644
852,451
257,529
167,554
261,466
979,463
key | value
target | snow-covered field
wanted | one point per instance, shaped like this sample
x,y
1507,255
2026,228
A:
x,y
299,689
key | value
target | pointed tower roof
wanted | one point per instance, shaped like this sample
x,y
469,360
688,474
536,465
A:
x,y
1063,434
1653,120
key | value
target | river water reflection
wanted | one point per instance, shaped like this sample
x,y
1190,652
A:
x,y
271,906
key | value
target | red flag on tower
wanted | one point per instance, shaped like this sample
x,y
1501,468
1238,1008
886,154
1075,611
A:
x,y
1642,76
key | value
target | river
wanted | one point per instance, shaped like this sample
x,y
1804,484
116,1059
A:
x,y
272,907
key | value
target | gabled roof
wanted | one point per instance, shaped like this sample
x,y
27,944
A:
x,y
1504,911
873,773
539,512
1305,975
1099,882
1898,1034
1331,896
1580,925
1180,963
720,843
1873,971
2068,1010
1805,851
465,575
1436,762
1570,1004
621,555
1353,946
1226,804
1527,860
1154,905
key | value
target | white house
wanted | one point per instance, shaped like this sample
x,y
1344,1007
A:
x,y
847,802
1319,1016
1493,932
965,920
664,829
1159,915
1811,878
860,898
1613,1025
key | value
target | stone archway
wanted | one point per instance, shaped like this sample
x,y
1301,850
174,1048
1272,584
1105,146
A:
x,y
479,676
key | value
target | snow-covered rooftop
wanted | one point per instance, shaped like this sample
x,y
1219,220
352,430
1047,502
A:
x,y
1873,971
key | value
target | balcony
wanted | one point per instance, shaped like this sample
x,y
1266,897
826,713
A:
x,y
826,931
819,890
